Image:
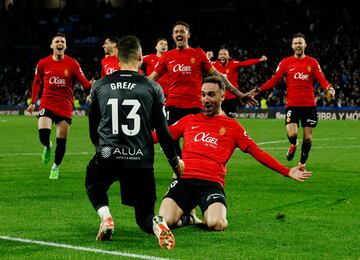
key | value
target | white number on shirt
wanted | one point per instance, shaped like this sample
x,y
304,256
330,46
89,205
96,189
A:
x,y
132,116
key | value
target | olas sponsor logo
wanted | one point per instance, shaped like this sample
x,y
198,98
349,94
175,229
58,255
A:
x,y
181,68
301,76
57,81
206,138
110,71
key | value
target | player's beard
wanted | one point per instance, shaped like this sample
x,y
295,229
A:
x,y
211,109
299,53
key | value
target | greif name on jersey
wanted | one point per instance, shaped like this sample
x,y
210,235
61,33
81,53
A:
x,y
122,85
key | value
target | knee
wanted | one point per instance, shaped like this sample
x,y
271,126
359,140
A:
x,y
216,224
307,139
292,134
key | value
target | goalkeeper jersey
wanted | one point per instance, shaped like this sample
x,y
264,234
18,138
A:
x,y
125,108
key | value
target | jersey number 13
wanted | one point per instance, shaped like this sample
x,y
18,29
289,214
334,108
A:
x,y
113,102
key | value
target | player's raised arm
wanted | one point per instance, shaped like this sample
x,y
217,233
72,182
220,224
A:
x,y
248,98
269,161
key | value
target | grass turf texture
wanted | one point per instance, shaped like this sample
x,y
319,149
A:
x,y
269,216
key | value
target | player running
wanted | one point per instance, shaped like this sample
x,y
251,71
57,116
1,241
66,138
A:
x,y
300,72
57,74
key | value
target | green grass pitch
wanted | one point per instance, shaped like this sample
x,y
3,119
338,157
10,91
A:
x,y
270,217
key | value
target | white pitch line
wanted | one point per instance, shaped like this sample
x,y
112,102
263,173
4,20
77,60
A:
x,y
81,248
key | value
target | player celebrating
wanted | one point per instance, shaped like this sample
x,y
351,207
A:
x,y
110,62
185,67
210,139
150,61
230,68
57,74
300,72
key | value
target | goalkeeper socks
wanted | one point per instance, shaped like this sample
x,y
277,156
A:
x,y
305,150
60,150
44,136
104,212
292,139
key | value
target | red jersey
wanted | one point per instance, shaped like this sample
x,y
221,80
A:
x,y
209,142
57,78
299,76
150,61
185,69
109,64
231,72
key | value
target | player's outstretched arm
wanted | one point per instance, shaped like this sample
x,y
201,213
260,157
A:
x,y
331,91
253,92
263,58
298,175
31,108
246,97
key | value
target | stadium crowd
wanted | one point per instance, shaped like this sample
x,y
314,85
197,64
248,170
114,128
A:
x,y
332,34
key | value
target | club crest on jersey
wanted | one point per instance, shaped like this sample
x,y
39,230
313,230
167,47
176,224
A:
x,y
222,130
308,68
66,72
227,71
192,60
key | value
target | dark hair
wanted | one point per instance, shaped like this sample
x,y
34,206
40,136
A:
x,y
129,47
160,39
114,39
182,23
216,80
298,35
58,34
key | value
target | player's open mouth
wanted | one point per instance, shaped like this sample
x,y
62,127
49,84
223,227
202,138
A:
x,y
59,48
